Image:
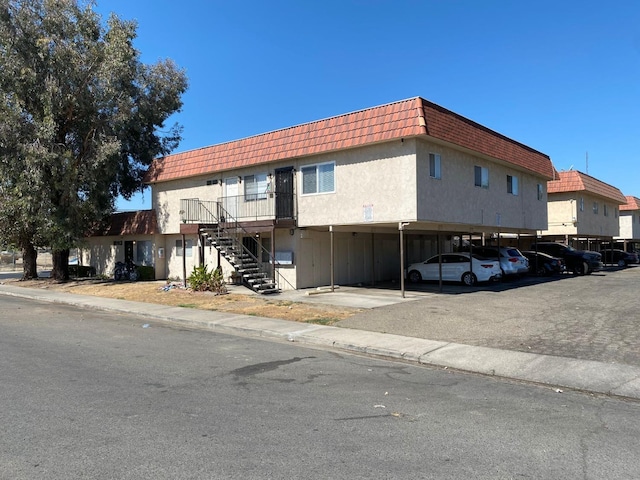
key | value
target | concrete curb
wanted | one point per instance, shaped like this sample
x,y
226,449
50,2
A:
x,y
558,372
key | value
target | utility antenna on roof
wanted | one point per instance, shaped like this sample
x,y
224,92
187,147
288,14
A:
x,y
571,168
587,172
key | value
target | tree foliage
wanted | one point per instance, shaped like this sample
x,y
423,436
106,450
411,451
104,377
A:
x,y
82,120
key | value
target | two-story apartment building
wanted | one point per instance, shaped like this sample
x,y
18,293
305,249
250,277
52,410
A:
x,y
583,211
333,201
629,237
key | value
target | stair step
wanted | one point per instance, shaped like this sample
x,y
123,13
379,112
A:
x,y
249,271
245,266
269,291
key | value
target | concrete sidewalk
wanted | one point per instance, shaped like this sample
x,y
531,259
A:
x,y
555,371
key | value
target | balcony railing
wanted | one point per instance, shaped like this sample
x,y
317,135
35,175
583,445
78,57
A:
x,y
240,208
250,207
194,210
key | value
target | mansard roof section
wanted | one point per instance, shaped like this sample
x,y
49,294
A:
x,y
141,222
576,181
407,118
633,203
453,128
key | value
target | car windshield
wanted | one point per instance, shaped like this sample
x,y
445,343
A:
x,y
513,252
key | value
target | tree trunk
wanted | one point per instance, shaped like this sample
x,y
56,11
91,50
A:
x,y
29,262
60,269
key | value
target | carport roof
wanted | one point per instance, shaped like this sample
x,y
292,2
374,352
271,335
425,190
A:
x,y
575,181
414,117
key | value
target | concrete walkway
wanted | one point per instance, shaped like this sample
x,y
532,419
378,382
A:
x,y
558,372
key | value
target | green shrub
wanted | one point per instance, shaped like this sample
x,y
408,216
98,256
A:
x,y
202,280
146,273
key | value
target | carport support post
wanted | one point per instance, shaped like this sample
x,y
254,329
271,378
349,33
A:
x,y
439,245
611,250
470,252
401,226
184,262
331,256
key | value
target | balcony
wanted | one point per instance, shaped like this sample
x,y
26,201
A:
x,y
240,208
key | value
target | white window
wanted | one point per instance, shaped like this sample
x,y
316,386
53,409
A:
x,y
188,250
595,207
318,178
255,187
144,252
434,165
540,191
512,185
481,177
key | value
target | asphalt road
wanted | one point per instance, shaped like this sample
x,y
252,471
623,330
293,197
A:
x,y
96,395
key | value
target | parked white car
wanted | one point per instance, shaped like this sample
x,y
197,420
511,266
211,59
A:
x,y
456,267
512,262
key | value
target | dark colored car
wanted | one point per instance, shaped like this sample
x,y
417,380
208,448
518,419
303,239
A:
x,y
544,264
618,257
580,262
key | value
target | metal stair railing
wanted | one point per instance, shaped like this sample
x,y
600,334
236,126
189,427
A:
x,y
231,224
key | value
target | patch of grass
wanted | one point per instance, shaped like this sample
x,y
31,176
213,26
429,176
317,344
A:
x,y
323,321
188,305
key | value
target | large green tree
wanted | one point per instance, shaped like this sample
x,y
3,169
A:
x,y
81,120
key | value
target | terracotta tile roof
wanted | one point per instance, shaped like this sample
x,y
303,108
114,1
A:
x,y
633,203
407,118
142,222
575,181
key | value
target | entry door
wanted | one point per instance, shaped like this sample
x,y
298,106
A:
x,y
284,192
128,251
231,196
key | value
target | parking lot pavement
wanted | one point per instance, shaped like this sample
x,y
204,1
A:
x,y
593,317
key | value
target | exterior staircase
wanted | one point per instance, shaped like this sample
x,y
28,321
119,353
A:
x,y
254,273
235,244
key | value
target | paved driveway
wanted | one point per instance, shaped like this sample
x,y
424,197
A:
x,y
593,317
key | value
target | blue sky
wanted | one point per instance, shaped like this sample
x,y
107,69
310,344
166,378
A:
x,y
561,76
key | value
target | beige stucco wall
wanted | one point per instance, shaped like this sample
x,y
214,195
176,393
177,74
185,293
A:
x,y
566,218
563,215
629,222
166,196
455,199
377,178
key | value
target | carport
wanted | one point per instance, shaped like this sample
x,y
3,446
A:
x,y
417,241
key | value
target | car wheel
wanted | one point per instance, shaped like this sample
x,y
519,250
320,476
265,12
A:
x,y
622,263
581,269
469,279
541,270
414,276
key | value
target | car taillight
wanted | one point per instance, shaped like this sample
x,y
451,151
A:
x,y
513,260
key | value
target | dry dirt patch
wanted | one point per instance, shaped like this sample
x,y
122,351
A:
x,y
153,292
